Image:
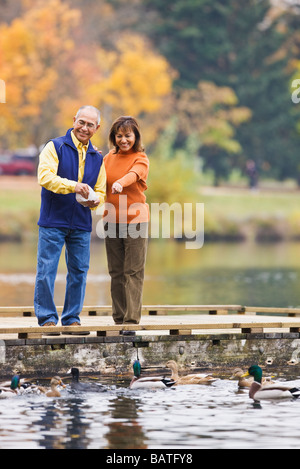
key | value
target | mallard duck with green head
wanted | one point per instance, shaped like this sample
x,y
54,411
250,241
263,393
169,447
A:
x,y
259,392
20,386
150,382
12,390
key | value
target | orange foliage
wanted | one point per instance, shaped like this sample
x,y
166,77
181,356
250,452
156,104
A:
x,y
50,70
31,50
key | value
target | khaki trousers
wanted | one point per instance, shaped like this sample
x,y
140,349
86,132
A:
x,y
126,257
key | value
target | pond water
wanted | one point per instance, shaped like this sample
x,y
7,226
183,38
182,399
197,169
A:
x,y
247,274
212,416
215,416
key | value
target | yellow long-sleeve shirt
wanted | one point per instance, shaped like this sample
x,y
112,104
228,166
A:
x,y
47,171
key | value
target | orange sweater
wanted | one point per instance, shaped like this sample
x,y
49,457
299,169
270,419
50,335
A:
x,y
136,166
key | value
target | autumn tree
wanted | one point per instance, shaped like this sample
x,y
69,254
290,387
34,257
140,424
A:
x,y
50,70
238,45
203,117
121,82
34,51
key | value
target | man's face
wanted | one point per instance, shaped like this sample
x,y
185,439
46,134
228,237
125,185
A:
x,y
85,125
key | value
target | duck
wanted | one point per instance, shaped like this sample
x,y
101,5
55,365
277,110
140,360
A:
x,y
244,382
54,383
196,378
20,386
15,382
85,387
7,393
150,382
11,389
258,392
26,387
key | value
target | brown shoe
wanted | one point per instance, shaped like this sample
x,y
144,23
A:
x,y
79,332
50,333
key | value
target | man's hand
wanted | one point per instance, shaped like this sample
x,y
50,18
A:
x,y
92,203
82,189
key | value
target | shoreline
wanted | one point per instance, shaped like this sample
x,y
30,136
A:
x,y
231,214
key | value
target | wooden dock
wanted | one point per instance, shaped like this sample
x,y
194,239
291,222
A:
x,y
209,337
21,323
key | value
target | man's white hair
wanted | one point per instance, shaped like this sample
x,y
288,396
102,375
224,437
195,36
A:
x,y
91,108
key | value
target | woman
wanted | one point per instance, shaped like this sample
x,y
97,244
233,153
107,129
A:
x,y
127,217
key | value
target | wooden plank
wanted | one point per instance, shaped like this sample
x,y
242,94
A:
x,y
174,328
17,311
153,309
28,311
145,327
252,330
108,333
174,325
292,312
218,311
180,331
29,335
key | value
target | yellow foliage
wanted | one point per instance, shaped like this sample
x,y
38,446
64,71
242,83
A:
x,y
138,79
211,112
50,69
32,48
134,78
130,80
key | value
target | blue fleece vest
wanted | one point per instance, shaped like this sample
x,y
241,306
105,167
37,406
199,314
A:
x,y
62,210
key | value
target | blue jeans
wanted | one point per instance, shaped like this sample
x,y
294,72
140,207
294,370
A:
x,y
50,244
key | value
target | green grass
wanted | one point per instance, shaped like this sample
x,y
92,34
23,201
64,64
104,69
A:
x,y
236,214
245,203
19,208
19,202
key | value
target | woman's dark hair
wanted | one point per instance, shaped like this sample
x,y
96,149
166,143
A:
x,y
125,123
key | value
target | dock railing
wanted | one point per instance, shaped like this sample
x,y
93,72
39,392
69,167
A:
x,y
153,310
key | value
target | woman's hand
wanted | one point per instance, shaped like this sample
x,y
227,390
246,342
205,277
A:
x,y
116,188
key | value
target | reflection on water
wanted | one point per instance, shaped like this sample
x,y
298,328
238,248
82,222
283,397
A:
x,y
247,274
215,416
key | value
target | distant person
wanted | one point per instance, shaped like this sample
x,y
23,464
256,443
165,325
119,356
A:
x,y
127,168
69,168
252,173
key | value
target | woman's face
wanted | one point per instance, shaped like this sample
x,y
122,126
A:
x,y
125,139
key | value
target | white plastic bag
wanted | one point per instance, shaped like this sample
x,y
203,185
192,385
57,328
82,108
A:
x,y
91,198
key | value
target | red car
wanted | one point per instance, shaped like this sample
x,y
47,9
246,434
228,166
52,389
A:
x,y
14,165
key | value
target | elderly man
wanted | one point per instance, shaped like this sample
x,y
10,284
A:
x,y
68,166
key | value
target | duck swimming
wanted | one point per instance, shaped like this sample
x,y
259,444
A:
x,y
196,378
151,382
20,386
54,392
7,393
244,382
258,392
12,390
85,387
